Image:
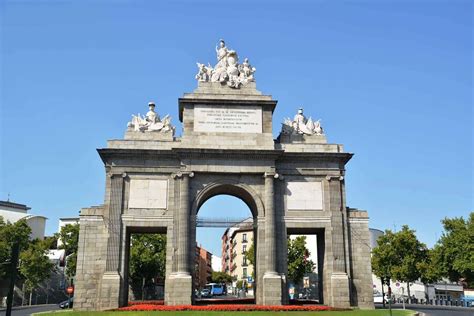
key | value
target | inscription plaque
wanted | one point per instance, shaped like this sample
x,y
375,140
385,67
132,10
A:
x,y
304,195
236,119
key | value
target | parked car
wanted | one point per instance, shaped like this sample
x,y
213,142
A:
x,y
378,298
67,303
206,293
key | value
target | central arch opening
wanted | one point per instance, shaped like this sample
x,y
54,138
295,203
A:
x,y
224,265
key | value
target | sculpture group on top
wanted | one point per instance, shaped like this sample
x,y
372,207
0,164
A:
x,y
151,122
227,70
301,125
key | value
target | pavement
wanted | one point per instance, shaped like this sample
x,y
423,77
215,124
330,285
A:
x,y
28,310
435,310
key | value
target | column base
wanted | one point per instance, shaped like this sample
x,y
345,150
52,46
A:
x,y
340,295
180,284
272,289
109,291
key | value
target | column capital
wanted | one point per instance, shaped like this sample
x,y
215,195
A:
x,y
271,174
180,174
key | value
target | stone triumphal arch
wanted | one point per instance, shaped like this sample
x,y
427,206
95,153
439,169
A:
x,y
156,182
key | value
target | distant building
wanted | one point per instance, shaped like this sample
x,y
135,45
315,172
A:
x,y
216,263
66,221
236,240
13,212
203,267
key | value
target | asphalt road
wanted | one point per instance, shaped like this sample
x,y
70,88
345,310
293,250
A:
x,y
25,311
430,310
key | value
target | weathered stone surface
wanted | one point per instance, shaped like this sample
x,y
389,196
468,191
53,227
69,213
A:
x,y
250,165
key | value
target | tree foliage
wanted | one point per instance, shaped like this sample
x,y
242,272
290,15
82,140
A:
x,y
298,262
250,254
147,257
454,252
18,232
399,255
69,237
221,277
35,266
429,268
409,252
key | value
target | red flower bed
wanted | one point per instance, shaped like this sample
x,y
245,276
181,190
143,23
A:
x,y
155,302
223,308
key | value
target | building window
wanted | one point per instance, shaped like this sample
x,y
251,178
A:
x,y
244,237
244,248
244,261
244,273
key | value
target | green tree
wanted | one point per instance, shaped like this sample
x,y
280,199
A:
x,y
429,268
35,266
398,256
250,254
69,237
454,252
298,262
147,259
221,277
409,251
18,232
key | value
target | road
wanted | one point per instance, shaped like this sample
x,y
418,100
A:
x,y
430,310
25,311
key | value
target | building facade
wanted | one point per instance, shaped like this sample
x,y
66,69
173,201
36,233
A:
x,y
241,241
13,212
203,268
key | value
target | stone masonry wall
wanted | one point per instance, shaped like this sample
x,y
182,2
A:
x,y
91,258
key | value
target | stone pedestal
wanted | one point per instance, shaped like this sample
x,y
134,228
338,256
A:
x,y
156,136
272,289
340,290
110,290
180,285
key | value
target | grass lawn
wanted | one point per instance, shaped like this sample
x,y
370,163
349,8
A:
x,y
204,313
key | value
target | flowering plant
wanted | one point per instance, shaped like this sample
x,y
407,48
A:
x,y
222,308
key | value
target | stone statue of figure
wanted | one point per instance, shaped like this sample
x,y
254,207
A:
x,y
204,72
150,122
220,70
299,121
221,51
301,125
227,70
246,70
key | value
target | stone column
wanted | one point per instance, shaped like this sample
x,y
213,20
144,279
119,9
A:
x,y
270,225
111,279
181,280
272,291
339,290
183,227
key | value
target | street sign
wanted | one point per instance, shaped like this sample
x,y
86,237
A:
x,y
249,279
306,282
70,290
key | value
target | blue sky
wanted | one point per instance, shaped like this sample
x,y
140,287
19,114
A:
x,y
391,80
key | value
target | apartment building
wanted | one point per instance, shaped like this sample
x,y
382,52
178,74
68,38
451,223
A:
x,y
203,267
236,240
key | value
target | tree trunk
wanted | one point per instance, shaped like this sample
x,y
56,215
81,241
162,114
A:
x,y
31,296
408,292
23,294
383,294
